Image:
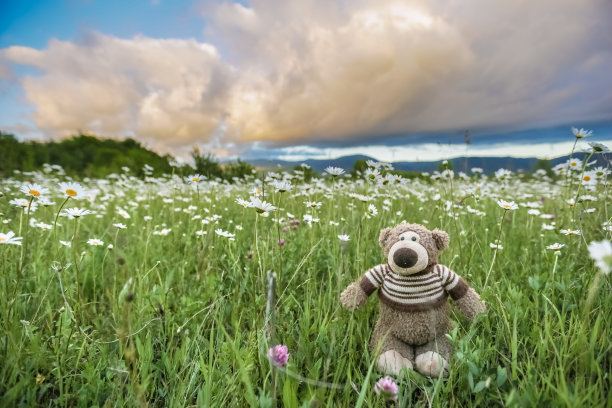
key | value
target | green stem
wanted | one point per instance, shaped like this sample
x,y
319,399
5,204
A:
x,y
501,225
75,259
57,215
24,248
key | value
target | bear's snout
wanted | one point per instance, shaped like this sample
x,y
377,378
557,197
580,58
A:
x,y
405,257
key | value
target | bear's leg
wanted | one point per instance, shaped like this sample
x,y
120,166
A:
x,y
432,357
395,355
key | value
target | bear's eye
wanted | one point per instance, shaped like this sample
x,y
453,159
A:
x,y
402,238
414,238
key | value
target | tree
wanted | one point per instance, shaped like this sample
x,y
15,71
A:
x,y
205,164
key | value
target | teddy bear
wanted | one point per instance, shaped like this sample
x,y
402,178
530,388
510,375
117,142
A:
x,y
413,291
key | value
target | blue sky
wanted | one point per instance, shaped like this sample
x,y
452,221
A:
x,y
310,78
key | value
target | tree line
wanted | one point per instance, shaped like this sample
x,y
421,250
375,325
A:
x,y
90,156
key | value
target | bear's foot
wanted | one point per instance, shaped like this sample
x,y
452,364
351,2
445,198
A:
x,y
431,364
392,362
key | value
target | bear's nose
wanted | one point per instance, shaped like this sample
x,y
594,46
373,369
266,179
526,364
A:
x,y
405,257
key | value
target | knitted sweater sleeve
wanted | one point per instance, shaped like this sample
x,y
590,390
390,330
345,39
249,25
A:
x,y
453,284
373,279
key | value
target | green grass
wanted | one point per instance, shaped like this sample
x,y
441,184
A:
x,y
191,328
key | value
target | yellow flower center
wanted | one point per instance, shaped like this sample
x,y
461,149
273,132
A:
x,y
34,193
587,178
506,206
71,193
195,179
2,239
573,164
579,136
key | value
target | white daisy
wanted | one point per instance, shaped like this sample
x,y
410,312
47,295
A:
x,y
10,238
75,212
34,190
581,133
334,171
507,205
73,190
261,206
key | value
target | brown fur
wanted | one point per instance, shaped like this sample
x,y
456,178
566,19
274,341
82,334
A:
x,y
413,333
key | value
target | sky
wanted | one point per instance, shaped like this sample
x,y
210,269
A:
x,y
296,79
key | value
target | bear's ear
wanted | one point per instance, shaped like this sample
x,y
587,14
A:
x,y
441,239
383,237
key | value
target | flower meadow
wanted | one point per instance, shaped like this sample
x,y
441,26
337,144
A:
x,y
170,291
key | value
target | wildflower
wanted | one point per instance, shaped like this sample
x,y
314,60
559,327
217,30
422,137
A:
x,y
225,234
281,242
372,174
261,206
601,253
334,171
66,243
571,202
23,203
279,355
75,212
556,246
372,210
123,213
570,232
44,226
476,170
164,232
313,204
497,246
386,388
281,186
34,190
95,242
10,238
195,178
502,174
120,225
533,211
589,178
574,164
581,133
244,203
360,197
598,148
344,238
201,233
548,227
73,190
447,174
110,246
507,205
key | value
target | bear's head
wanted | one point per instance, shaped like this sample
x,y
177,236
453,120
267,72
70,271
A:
x,y
410,248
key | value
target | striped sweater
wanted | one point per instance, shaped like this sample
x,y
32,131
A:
x,y
418,292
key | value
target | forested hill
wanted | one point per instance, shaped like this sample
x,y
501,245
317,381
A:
x,y
82,155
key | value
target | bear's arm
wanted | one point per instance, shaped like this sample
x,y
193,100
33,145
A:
x,y
465,298
356,294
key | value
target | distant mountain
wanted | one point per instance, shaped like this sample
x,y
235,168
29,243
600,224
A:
x,y
487,164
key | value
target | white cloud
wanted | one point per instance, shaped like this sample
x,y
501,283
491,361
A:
x,y
168,91
313,70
